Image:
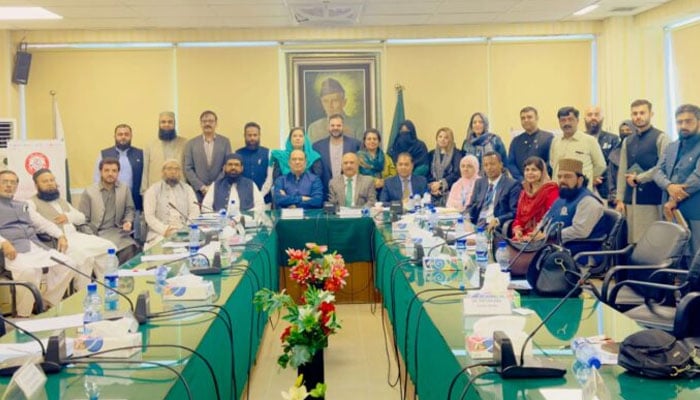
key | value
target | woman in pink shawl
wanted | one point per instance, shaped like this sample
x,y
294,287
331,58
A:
x,y
461,192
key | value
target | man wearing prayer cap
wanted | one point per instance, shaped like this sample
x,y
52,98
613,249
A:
x,y
577,209
168,204
233,191
333,101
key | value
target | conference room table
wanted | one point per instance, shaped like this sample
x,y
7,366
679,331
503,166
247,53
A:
x,y
425,309
201,331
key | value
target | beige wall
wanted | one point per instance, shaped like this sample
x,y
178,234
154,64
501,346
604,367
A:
x,y
444,84
687,60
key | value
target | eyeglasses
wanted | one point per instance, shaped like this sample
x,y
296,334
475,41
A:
x,y
9,182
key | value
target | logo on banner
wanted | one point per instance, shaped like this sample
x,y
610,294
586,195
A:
x,y
35,161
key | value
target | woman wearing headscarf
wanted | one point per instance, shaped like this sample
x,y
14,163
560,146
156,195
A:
x,y
461,191
538,194
407,142
626,128
373,161
297,140
444,166
480,141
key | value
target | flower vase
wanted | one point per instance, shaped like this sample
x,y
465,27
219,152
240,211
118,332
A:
x,y
313,371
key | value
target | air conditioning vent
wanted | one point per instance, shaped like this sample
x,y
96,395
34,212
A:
x,y
7,131
623,9
326,14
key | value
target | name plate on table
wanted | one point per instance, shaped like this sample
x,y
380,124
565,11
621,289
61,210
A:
x,y
292,213
346,212
484,303
442,263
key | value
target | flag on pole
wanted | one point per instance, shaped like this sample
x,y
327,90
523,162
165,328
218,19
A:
x,y
57,122
399,116
59,134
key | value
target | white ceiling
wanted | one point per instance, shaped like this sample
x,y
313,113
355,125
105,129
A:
x,y
140,14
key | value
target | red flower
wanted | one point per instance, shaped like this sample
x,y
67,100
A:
x,y
286,333
296,256
300,272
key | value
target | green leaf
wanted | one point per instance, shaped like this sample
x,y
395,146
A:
x,y
319,390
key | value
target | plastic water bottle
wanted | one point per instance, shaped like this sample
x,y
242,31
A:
x,y
195,261
111,300
223,219
92,389
503,257
585,353
417,204
410,204
233,210
482,248
161,276
426,201
459,227
432,219
92,306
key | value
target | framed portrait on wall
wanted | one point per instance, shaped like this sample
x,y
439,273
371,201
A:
x,y
323,84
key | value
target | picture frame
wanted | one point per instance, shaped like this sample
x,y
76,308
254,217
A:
x,y
321,84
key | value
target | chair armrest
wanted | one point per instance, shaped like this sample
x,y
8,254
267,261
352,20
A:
x,y
598,239
643,284
622,251
684,324
670,271
38,301
618,268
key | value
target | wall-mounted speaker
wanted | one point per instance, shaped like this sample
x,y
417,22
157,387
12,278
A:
x,y
23,61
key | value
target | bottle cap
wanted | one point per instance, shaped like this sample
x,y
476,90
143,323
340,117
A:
x,y
111,251
502,244
193,226
594,362
92,287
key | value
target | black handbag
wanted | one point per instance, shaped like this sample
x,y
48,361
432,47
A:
x,y
553,272
654,353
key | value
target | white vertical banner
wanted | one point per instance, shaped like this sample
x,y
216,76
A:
x,y
25,157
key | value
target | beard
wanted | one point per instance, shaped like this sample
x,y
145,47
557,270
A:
x,y
48,195
593,127
252,145
123,146
172,181
232,177
569,193
167,134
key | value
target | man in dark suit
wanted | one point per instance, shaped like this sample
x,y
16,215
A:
x,y
404,185
352,189
495,197
204,155
131,161
332,149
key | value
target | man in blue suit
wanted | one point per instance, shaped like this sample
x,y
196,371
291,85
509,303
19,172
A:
x,y
405,184
495,197
332,149
678,172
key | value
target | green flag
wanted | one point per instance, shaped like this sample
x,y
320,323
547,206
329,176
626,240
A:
x,y
399,117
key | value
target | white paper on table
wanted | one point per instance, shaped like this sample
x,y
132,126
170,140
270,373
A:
x,y
137,272
11,350
50,324
173,245
163,257
558,394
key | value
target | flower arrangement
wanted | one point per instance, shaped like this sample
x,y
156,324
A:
x,y
311,322
312,267
299,391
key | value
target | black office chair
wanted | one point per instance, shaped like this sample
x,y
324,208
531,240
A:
x,y
661,246
681,316
611,241
6,280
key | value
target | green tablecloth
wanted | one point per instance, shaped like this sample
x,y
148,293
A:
x,y
430,335
349,237
204,333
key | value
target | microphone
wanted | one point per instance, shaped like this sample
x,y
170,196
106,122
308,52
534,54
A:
x,y
81,273
504,354
187,219
51,357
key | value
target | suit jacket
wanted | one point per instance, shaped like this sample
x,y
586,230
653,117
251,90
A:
x,y
323,147
505,201
393,191
197,172
93,207
365,193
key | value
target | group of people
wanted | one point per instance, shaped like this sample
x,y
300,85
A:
x,y
173,179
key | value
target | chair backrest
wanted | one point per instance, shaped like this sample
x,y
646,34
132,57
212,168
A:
x,y
615,221
660,242
694,274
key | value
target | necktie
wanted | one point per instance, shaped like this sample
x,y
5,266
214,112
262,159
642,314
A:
x,y
348,193
406,192
489,196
